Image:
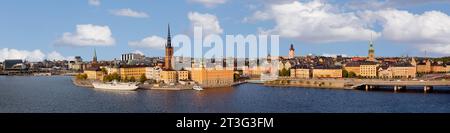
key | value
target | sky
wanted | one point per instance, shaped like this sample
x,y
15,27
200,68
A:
x,y
57,30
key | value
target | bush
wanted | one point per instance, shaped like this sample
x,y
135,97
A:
x,y
143,78
82,76
132,79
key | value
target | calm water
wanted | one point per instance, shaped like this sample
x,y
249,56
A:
x,y
57,94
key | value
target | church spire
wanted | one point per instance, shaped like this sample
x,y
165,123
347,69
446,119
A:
x,y
169,40
94,59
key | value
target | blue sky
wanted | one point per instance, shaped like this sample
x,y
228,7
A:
x,y
48,28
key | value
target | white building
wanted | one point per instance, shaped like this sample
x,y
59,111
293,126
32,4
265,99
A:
x,y
153,73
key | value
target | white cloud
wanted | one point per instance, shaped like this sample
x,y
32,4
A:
x,y
384,4
33,56
138,52
334,55
209,3
94,2
88,35
314,21
208,22
155,42
428,31
127,12
57,56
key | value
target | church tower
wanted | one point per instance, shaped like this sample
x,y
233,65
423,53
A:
x,y
169,51
94,58
291,52
371,56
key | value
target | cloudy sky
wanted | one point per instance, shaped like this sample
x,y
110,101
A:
x,y
56,29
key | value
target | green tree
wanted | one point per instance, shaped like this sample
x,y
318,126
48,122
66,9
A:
x,y
236,77
126,79
345,73
81,76
351,74
132,79
143,78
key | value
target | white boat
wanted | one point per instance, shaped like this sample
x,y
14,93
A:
x,y
116,86
199,88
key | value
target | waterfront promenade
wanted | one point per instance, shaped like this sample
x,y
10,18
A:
x,y
366,84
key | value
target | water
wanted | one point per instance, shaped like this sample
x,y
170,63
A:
x,y
57,94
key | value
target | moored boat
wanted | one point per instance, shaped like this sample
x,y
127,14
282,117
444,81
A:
x,y
116,86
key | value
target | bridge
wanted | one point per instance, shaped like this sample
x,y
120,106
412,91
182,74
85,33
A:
x,y
400,85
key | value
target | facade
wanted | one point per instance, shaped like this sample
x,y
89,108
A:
x,y
212,77
403,71
353,67
94,74
291,52
153,73
424,67
182,75
13,65
131,56
327,73
300,73
168,76
385,72
132,71
438,68
368,70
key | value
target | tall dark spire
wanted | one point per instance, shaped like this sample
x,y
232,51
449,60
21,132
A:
x,y
169,40
292,47
94,59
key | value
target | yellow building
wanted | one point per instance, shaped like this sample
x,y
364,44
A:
x,y
353,67
368,70
132,71
212,77
438,68
183,75
168,76
403,71
424,67
94,74
300,73
327,73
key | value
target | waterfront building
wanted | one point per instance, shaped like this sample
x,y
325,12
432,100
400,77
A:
x,y
385,72
438,68
182,75
11,65
168,76
153,73
94,74
291,52
368,70
353,67
365,69
327,72
300,72
403,70
132,71
211,77
424,67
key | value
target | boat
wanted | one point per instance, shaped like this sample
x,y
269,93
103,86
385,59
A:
x,y
199,88
116,86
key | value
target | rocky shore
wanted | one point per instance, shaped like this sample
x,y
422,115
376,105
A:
x,y
82,83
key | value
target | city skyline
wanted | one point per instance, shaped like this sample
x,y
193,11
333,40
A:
x,y
56,30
